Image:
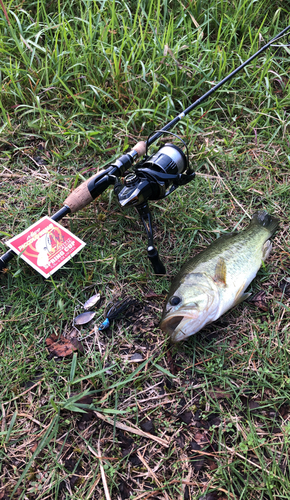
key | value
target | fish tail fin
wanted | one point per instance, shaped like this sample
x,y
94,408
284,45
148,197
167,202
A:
x,y
262,218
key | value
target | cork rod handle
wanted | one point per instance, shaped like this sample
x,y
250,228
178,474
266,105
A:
x,y
81,196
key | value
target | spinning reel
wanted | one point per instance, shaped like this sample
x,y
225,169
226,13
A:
x,y
155,178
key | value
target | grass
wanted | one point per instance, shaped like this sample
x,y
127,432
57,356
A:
x,y
80,81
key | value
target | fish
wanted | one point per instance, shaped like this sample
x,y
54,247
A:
x,y
215,280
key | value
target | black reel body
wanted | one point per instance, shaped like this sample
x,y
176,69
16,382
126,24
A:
x,y
155,177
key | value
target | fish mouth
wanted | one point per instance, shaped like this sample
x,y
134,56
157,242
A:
x,y
180,326
170,324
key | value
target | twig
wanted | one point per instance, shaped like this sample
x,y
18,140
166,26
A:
x,y
213,166
3,418
93,487
29,48
10,176
26,415
250,461
25,392
193,20
100,457
133,430
151,473
107,493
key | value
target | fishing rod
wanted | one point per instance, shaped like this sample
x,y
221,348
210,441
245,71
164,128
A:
x,y
154,178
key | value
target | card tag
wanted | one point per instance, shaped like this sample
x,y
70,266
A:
x,y
46,246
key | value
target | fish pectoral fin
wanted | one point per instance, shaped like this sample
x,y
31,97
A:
x,y
241,298
266,250
220,272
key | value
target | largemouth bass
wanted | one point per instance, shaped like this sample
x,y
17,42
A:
x,y
216,279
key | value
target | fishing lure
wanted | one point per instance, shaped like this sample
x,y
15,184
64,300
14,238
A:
x,y
116,311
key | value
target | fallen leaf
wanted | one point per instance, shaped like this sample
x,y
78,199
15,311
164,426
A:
x,y
201,438
136,357
186,493
140,327
135,460
173,368
124,490
219,394
254,406
73,466
148,426
152,295
209,496
126,441
196,459
61,346
284,286
284,410
259,300
180,440
39,160
212,464
186,417
33,448
88,415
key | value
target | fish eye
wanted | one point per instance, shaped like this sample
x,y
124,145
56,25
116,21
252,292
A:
x,y
174,301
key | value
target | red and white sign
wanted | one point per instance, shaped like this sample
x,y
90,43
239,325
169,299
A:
x,y
46,246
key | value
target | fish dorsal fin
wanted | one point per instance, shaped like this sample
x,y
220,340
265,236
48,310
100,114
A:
x,y
220,272
227,236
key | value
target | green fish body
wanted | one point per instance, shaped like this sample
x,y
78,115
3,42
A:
x,y
215,280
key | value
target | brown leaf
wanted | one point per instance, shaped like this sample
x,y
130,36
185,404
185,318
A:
x,y
173,368
259,300
218,394
284,286
148,426
61,346
196,459
254,406
180,440
88,415
33,448
124,490
152,295
186,417
210,496
284,410
201,438
140,327
212,464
